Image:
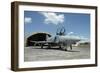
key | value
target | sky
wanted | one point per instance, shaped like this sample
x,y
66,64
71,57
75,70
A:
x,y
74,23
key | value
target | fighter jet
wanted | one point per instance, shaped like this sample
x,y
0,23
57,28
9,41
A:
x,y
64,41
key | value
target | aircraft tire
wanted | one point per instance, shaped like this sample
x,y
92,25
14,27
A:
x,y
63,47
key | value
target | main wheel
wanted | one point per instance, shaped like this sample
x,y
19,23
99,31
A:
x,y
63,47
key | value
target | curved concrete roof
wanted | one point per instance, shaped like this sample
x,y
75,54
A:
x,y
39,33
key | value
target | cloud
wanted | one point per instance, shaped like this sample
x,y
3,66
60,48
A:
x,y
53,18
70,33
75,35
28,20
84,38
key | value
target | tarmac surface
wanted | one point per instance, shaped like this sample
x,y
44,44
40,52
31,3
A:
x,y
47,54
